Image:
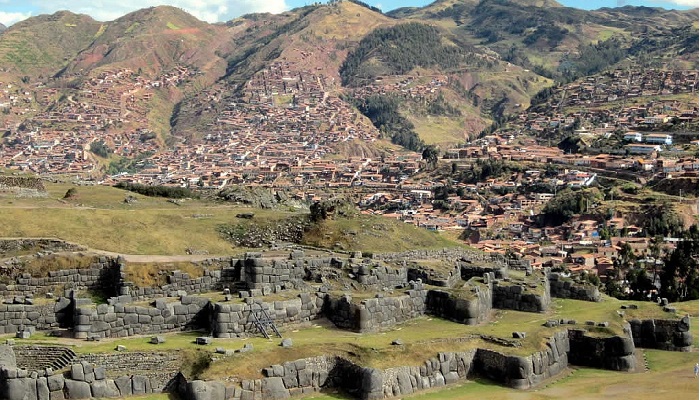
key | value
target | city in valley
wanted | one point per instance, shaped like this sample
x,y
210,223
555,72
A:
x,y
479,199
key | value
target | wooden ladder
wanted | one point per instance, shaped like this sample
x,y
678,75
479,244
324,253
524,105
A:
x,y
263,321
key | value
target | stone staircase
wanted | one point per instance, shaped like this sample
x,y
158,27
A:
x,y
230,277
37,358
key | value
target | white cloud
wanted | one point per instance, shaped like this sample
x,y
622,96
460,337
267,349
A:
x,y
686,3
9,18
206,10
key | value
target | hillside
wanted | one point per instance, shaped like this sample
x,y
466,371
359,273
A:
x,y
284,65
546,37
44,44
150,40
318,82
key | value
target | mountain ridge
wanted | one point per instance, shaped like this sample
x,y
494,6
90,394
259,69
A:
x,y
188,77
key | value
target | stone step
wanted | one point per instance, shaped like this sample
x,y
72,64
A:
x,y
34,358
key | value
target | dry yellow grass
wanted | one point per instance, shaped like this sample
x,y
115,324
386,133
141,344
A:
x,y
40,267
155,274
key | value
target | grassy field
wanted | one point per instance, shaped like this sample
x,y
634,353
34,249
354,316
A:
x,y
374,234
99,218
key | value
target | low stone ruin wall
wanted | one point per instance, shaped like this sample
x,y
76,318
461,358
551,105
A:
x,y
613,353
520,297
177,282
444,254
14,316
261,273
435,278
524,372
82,382
120,320
376,313
159,367
232,320
38,244
468,271
567,289
382,276
470,310
102,275
664,334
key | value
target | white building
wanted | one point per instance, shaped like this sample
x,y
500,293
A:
x,y
643,148
659,138
633,137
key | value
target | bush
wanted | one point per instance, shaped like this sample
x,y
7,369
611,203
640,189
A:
x,y
71,193
157,191
100,148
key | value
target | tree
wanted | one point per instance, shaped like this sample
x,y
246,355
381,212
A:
x,y
100,148
679,276
662,220
430,155
640,283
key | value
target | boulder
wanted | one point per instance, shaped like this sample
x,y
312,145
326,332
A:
x,y
201,390
56,382
273,389
77,389
14,389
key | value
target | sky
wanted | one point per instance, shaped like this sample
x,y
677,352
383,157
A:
x,y
12,11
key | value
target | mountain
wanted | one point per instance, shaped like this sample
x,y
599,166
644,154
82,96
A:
x,y
340,74
44,44
2,28
545,36
150,40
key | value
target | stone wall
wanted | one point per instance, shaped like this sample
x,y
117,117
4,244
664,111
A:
x,y
267,273
445,369
13,316
434,278
444,254
102,275
236,319
672,335
293,378
82,382
160,367
376,313
523,372
468,271
568,289
471,308
520,297
218,273
382,276
614,353
178,282
22,182
301,377
122,320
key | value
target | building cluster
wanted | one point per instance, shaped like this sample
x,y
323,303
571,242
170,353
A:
x,y
60,125
409,87
280,130
587,104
